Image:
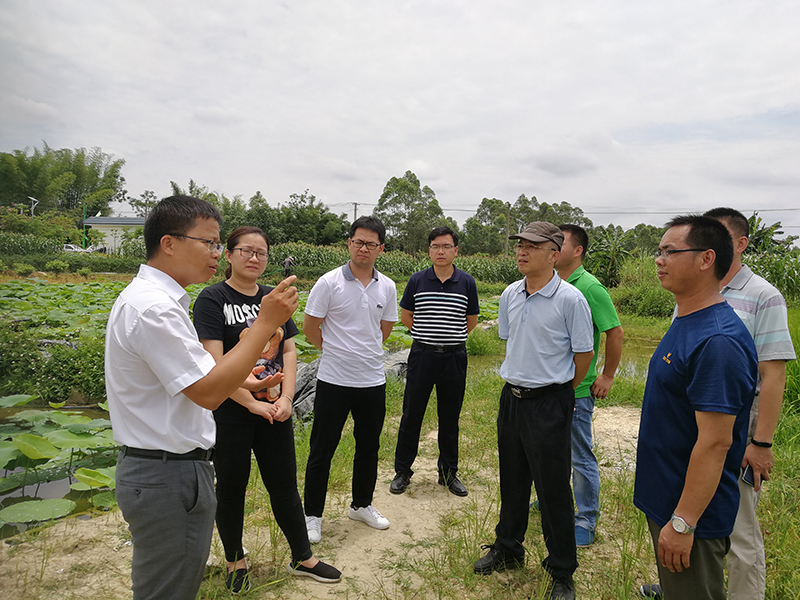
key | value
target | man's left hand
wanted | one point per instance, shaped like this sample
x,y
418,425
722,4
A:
x,y
601,386
674,548
762,460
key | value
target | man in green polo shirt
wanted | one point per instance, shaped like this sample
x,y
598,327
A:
x,y
585,472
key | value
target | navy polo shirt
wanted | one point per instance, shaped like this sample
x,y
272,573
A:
x,y
440,308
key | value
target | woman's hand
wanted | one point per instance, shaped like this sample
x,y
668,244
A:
x,y
283,409
254,384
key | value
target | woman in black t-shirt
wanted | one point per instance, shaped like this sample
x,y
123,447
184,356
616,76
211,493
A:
x,y
258,421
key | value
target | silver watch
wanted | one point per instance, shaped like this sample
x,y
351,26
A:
x,y
681,526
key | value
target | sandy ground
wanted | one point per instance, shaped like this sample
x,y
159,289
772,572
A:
x,y
90,558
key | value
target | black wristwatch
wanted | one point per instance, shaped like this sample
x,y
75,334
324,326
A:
x,y
761,444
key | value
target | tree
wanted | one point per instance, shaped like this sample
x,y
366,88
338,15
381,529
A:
x,y
409,212
144,204
302,219
762,237
486,231
607,253
65,180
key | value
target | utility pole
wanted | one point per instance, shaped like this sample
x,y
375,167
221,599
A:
x,y
508,218
355,211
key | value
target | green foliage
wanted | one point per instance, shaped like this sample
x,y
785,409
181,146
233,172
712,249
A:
x,y
639,292
19,244
56,266
70,370
409,212
95,262
20,359
23,269
488,231
483,342
32,511
63,180
792,395
84,271
781,270
763,237
607,253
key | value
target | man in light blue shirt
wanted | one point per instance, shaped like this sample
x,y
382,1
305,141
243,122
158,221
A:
x,y
548,326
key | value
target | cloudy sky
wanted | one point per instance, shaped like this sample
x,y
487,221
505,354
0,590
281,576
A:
x,y
632,111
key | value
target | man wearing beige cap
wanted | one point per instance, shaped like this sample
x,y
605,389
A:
x,y
548,326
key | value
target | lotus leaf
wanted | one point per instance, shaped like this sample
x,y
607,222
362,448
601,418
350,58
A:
x,y
56,404
8,453
66,418
93,478
15,400
37,510
63,438
104,500
32,415
34,446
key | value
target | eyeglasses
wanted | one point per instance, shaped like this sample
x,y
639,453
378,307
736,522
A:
x,y
212,245
527,247
362,243
667,253
437,247
248,254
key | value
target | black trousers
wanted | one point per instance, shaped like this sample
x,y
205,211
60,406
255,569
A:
x,y
534,437
273,446
426,369
331,406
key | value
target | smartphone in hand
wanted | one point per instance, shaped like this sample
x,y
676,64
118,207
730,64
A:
x,y
748,477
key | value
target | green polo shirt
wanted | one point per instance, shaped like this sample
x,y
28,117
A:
x,y
604,317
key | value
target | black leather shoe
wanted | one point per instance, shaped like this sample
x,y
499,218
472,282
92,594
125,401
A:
x,y
563,589
454,485
400,483
496,560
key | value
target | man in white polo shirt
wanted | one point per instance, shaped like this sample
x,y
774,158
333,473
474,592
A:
x,y
349,314
162,386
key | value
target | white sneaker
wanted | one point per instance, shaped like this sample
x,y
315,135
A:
x,y
314,528
370,516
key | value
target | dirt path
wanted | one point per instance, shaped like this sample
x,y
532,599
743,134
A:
x,y
90,558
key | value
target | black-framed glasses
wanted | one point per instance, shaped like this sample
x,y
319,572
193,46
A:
x,y
248,254
437,247
362,243
212,245
667,253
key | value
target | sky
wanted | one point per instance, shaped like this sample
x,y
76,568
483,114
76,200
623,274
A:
x,y
632,111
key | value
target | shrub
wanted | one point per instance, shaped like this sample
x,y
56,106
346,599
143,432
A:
x,y
84,271
72,369
57,266
23,269
16,244
639,292
20,360
483,342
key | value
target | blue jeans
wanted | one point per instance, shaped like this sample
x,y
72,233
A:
x,y
585,473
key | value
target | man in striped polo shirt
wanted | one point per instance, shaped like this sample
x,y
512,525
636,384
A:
x,y
440,307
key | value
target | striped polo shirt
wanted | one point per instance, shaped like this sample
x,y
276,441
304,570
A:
x,y
440,308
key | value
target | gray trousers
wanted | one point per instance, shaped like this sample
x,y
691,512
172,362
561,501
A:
x,y
169,507
704,579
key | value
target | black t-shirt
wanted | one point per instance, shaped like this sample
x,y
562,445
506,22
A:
x,y
222,313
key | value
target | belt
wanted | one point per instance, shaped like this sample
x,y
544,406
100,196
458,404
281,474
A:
x,y
163,455
442,348
522,392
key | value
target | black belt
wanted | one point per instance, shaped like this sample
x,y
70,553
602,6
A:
x,y
163,455
522,392
442,348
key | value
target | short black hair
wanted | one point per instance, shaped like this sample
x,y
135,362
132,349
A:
x,y
443,231
371,223
708,233
175,214
578,234
737,221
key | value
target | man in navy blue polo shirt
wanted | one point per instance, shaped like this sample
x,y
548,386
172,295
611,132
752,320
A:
x,y
440,307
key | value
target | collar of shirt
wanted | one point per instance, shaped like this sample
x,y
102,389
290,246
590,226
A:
x,y
171,287
431,274
576,274
547,291
740,279
348,273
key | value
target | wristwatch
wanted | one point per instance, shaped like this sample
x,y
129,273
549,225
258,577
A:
x,y
681,526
